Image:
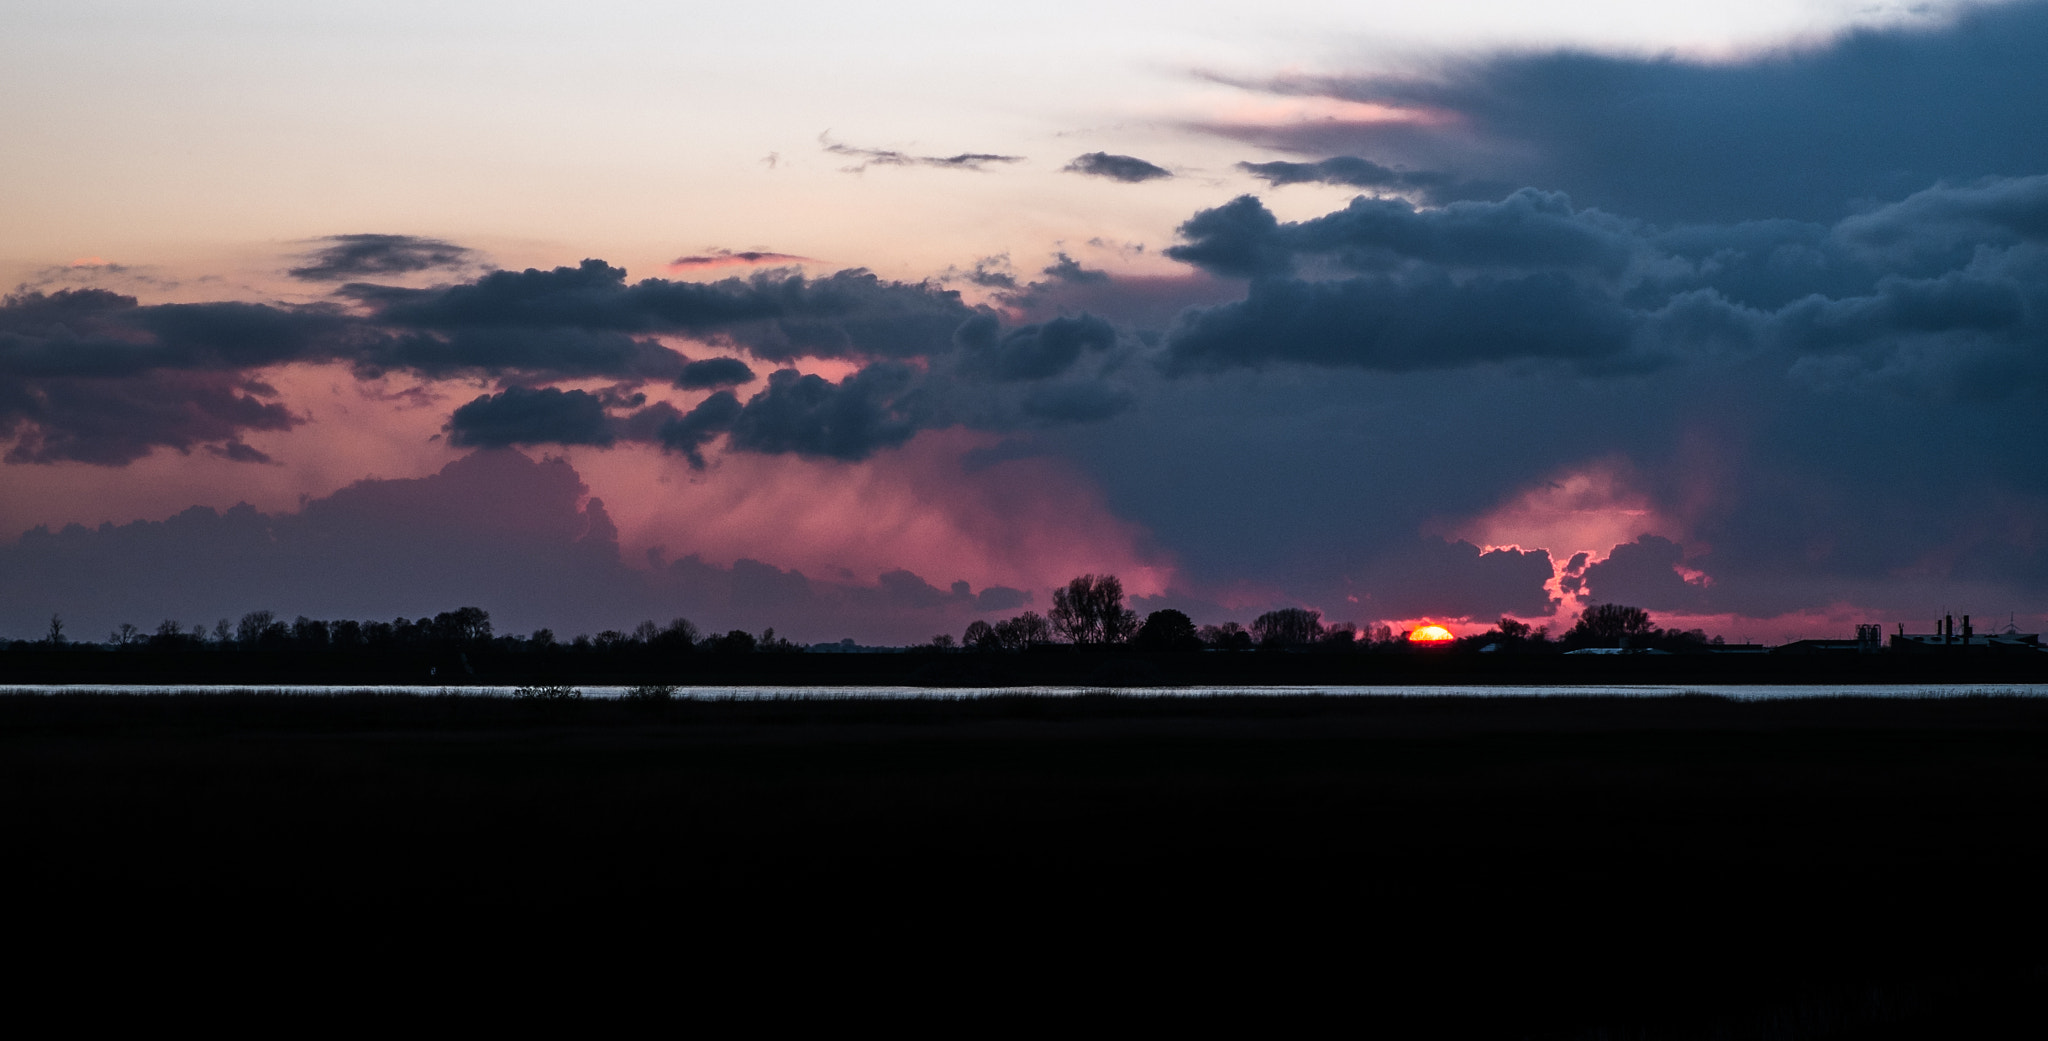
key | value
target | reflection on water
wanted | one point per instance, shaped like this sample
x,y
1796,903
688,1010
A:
x,y
1740,692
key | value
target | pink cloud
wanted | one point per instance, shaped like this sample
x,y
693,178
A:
x,y
1028,523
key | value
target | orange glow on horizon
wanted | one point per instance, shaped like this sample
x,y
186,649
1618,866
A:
x,y
1430,634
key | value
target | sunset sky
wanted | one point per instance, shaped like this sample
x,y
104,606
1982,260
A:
x,y
872,320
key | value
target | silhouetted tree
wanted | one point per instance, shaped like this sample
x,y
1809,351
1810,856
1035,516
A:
x,y
463,625
1341,636
223,632
645,632
309,634
126,636
1090,610
680,634
1029,629
55,638
250,628
1229,636
980,636
942,642
1609,624
738,641
1288,627
1167,630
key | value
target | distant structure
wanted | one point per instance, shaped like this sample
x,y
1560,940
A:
x,y
1946,637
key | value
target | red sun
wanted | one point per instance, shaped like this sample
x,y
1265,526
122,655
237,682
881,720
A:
x,y
1430,634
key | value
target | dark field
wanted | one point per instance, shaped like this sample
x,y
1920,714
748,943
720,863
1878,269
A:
x,y
1439,866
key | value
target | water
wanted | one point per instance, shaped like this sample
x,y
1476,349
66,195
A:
x,y
1738,692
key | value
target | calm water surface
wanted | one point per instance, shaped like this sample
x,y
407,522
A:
x,y
1749,692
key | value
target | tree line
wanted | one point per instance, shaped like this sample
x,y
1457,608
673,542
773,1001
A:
x,y
1089,611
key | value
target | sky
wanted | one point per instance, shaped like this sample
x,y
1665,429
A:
x,y
868,322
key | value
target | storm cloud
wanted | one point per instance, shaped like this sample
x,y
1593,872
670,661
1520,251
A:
x,y
1802,132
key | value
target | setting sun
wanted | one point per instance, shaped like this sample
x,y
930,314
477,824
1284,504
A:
x,y
1430,634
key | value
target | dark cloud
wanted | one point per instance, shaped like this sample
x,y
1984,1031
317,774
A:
x,y
1803,133
1433,578
730,258
1125,168
1035,352
873,409
368,256
688,433
1645,573
1240,238
521,416
1066,269
1935,294
714,372
1401,324
1432,186
1527,230
115,422
976,161
775,315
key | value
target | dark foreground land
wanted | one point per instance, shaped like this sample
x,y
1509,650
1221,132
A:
x,y
1558,867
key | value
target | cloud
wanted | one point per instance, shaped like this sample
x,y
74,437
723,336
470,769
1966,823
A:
x,y
366,256
1125,168
521,538
689,433
1403,324
1433,578
521,416
1648,573
1034,352
873,409
714,372
975,161
728,258
1936,294
1066,269
776,315
1434,186
1803,133
115,422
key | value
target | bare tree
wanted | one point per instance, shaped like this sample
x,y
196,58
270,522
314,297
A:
x,y
251,627
1229,636
1288,627
1090,610
1029,629
1610,623
980,635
